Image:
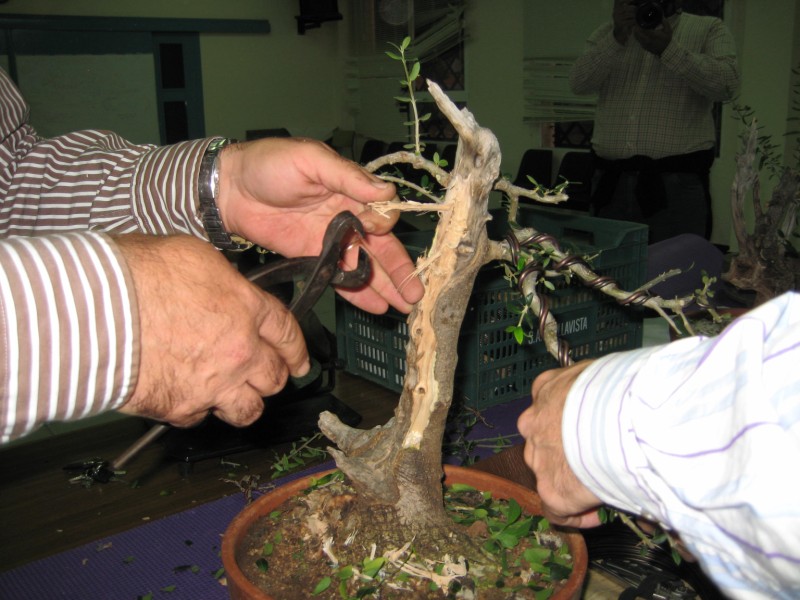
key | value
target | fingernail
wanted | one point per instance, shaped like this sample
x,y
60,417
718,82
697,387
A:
x,y
380,183
369,226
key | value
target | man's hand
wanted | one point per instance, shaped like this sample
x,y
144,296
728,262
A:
x,y
282,193
565,499
210,339
624,17
655,40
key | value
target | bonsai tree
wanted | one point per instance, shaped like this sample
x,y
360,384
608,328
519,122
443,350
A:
x,y
396,468
767,262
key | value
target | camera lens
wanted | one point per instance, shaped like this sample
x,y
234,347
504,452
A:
x,y
649,15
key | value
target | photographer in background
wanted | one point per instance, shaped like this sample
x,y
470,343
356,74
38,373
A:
x,y
657,72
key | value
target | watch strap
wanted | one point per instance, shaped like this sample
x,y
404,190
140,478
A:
x,y
208,188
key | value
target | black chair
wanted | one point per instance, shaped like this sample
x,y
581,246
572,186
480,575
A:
x,y
577,168
371,150
536,163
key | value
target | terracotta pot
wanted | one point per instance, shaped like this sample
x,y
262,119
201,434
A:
x,y
240,588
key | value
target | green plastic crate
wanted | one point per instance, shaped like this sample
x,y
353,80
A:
x,y
492,367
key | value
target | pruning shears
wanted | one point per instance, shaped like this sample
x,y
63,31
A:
x,y
313,274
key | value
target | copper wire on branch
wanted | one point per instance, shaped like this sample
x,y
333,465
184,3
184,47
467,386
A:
x,y
537,270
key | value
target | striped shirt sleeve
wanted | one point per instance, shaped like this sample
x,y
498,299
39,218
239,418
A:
x,y
69,319
68,309
703,435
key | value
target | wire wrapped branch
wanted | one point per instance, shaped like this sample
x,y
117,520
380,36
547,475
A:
x,y
528,281
528,285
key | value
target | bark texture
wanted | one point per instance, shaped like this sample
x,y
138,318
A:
x,y
765,262
398,467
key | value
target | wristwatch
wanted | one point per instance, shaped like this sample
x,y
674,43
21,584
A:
x,y
208,189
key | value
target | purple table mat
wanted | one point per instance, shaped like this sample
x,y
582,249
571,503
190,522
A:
x,y
177,557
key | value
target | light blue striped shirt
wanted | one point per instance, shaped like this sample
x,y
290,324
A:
x,y
703,436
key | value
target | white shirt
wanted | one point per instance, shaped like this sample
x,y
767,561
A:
x,y
703,436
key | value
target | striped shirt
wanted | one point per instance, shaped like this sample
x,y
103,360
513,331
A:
x,y
69,320
703,436
657,106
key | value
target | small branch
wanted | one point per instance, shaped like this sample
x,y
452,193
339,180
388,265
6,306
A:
x,y
417,161
420,190
515,192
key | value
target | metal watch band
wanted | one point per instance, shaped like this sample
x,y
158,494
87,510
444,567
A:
x,y
208,188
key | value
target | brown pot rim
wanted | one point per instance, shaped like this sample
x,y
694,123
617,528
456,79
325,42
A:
x,y
241,588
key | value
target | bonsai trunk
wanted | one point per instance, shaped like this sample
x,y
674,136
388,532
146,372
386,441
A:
x,y
397,468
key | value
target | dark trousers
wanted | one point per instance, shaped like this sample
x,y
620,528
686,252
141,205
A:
x,y
671,195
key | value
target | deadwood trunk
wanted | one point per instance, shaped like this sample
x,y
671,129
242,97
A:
x,y
763,263
397,468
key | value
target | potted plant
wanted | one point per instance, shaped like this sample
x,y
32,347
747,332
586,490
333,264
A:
x,y
767,260
394,472
505,523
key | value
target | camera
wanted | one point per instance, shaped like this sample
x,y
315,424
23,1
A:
x,y
650,13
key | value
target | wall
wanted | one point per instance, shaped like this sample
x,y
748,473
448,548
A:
x,y
766,36
493,60
280,79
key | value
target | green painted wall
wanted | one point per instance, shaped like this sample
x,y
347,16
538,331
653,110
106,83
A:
x,y
280,79
302,83
766,35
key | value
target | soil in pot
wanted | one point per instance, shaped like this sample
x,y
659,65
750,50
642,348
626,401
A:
x,y
289,547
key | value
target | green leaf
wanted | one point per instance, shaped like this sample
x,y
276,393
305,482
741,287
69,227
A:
x,y
543,525
460,488
537,554
402,98
414,72
507,539
393,56
405,43
514,510
371,567
346,572
323,585
262,564
424,117
268,548
559,571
